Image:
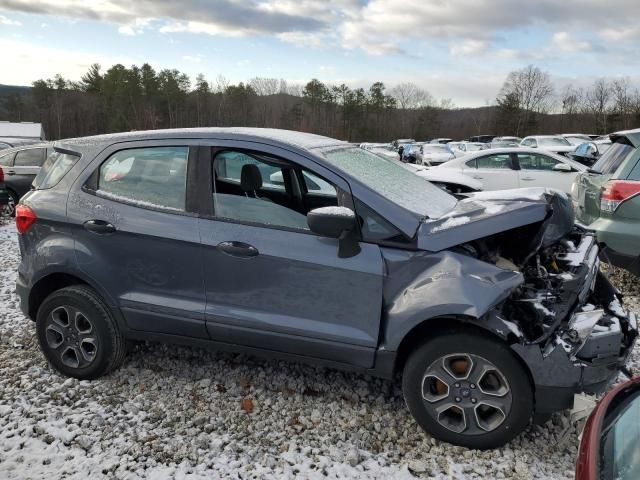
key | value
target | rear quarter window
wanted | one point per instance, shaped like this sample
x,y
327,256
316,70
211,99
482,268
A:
x,y
611,160
54,168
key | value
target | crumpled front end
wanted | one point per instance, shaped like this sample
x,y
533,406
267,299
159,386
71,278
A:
x,y
568,322
565,320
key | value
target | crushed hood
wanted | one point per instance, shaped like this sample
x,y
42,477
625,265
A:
x,y
487,213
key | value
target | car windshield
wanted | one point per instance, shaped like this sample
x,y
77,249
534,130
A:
x,y
613,158
389,179
435,148
553,142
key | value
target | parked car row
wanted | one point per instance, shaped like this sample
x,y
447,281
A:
x,y
492,307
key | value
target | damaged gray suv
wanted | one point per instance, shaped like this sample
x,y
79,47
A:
x,y
492,308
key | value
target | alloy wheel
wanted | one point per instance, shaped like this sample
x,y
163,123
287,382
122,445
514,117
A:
x,y
466,394
70,334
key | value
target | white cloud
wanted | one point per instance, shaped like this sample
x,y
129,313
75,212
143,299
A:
x,y
8,22
565,42
193,58
33,62
468,47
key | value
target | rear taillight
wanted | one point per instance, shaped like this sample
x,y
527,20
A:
x,y
1,175
616,192
25,217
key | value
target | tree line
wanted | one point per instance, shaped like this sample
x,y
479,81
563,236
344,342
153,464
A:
x,y
140,98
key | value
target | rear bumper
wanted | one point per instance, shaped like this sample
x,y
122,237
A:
x,y
23,294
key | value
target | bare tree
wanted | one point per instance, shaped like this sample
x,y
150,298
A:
x,y
529,92
265,86
409,95
622,100
598,104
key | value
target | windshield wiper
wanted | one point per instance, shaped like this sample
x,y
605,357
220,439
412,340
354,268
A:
x,y
591,170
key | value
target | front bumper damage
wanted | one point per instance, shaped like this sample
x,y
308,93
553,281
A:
x,y
586,349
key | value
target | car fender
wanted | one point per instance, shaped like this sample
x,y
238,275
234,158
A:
x,y
420,286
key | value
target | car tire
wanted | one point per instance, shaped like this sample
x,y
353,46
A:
x,y
78,334
468,390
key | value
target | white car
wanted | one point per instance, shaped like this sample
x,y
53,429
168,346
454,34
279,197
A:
x,y
550,143
441,140
436,154
505,168
462,148
449,180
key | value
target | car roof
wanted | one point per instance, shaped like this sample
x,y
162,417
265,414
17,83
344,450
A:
x,y
544,136
283,138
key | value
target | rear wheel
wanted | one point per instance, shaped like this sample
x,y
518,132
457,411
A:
x,y
78,334
468,390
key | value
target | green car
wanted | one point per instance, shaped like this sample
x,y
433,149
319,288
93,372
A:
x,y
606,199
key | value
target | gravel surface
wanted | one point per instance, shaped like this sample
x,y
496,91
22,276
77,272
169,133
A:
x,y
187,413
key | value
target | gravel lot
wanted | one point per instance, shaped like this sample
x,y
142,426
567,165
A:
x,y
188,413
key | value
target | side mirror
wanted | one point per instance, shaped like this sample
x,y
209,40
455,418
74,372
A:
x,y
336,222
562,167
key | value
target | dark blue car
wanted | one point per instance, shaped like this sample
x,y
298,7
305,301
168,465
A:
x,y
492,308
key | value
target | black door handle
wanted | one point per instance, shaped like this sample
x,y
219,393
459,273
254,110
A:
x,y
10,172
238,249
99,226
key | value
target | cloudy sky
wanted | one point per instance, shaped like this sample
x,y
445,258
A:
x,y
459,49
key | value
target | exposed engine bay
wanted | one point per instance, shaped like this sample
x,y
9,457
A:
x,y
565,301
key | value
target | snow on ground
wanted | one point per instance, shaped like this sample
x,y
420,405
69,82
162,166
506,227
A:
x,y
177,412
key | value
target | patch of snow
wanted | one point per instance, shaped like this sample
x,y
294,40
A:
x,y
534,193
616,308
133,201
335,211
576,257
588,307
450,223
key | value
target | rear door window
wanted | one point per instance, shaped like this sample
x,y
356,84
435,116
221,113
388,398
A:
x,y
33,157
534,161
500,161
150,177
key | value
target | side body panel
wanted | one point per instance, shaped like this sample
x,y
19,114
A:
x,y
421,286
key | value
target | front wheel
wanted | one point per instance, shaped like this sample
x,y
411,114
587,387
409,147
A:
x,y
468,390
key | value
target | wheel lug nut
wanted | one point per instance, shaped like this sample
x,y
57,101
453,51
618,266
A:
x,y
473,400
473,385
457,385
457,399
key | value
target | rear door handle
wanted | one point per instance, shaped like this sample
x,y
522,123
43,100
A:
x,y
99,226
527,179
10,172
238,249
477,177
